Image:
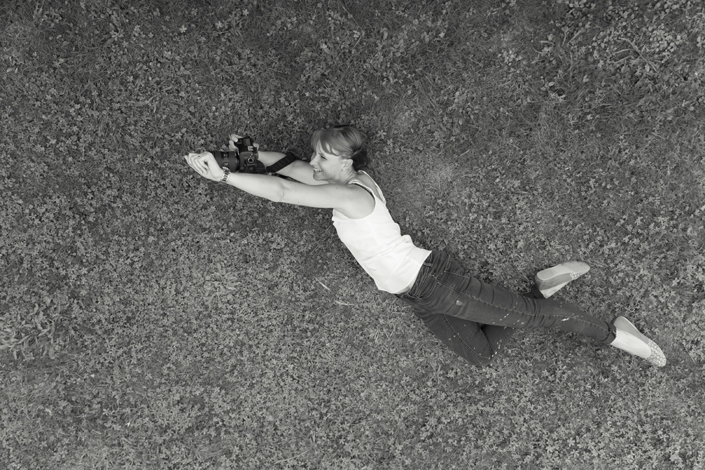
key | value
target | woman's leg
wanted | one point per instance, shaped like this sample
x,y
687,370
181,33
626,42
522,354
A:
x,y
474,342
448,288
463,296
479,318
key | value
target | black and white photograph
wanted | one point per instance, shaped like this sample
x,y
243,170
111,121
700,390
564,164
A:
x,y
352,235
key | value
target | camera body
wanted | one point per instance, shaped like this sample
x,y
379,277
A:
x,y
244,159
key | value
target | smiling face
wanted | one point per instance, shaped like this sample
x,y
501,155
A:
x,y
337,153
330,167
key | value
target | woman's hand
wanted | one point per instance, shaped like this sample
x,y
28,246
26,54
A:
x,y
234,138
205,165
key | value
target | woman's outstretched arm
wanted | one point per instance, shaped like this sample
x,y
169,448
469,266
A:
x,y
298,170
345,198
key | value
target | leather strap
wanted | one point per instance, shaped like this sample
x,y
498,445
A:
x,y
288,159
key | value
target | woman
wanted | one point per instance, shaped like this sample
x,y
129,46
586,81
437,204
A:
x,y
473,318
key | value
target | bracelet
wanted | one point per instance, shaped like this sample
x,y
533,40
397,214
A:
x,y
226,173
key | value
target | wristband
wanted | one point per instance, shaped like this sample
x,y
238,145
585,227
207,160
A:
x,y
226,173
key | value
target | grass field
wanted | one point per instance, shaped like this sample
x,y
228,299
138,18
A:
x,y
150,319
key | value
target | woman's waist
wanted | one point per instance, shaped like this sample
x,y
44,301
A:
x,y
396,272
436,262
391,257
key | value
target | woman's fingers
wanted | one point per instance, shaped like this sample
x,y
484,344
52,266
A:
x,y
205,165
201,162
232,139
194,160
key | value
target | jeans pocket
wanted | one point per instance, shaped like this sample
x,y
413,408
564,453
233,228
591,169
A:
x,y
427,290
427,281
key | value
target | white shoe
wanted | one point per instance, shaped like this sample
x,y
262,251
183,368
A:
x,y
551,280
654,354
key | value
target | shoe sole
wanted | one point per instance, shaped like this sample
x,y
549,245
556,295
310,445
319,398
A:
x,y
560,275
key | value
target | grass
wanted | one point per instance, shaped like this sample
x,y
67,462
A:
x,y
150,319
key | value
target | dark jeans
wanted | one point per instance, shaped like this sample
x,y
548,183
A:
x,y
476,319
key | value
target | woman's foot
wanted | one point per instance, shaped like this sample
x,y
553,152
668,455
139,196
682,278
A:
x,y
551,280
634,342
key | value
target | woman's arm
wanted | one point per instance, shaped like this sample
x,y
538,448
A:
x,y
298,170
348,199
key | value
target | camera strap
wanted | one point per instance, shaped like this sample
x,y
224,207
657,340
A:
x,y
288,159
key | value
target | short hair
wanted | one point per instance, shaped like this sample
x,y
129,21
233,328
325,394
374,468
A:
x,y
343,141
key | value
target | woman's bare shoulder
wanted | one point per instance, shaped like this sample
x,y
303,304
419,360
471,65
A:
x,y
370,183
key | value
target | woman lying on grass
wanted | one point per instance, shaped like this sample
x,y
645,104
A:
x,y
473,318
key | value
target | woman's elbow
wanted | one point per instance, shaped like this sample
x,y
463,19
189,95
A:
x,y
280,194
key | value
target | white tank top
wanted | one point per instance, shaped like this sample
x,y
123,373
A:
x,y
376,242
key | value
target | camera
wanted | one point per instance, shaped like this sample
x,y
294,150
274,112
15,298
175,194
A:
x,y
244,159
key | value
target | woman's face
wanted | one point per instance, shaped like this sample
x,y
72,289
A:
x,y
329,167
